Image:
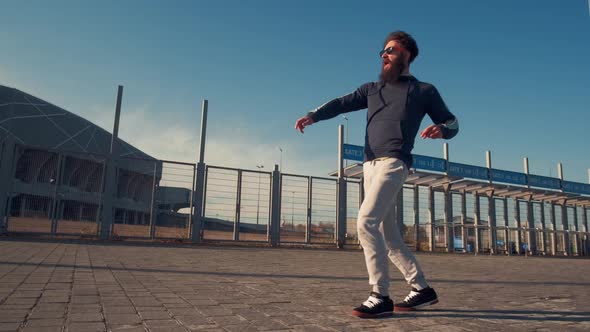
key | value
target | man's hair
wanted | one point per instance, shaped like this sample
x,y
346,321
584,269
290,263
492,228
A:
x,y
406,41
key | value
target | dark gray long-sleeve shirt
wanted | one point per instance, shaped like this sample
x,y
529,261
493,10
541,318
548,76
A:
x,y
394,114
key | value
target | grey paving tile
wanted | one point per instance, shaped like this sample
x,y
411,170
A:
x,y
9,326
243,289
87,326
86,317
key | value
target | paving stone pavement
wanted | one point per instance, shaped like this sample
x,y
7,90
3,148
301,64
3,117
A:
x,y
109,286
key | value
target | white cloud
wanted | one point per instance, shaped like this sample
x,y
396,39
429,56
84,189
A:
x,y
165,137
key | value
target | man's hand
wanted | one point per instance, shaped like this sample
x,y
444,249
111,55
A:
x,y
432,131
303,122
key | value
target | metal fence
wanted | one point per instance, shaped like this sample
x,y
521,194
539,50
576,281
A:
x,y
62,193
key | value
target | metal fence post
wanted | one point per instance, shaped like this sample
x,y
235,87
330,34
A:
x,y
531,233
553,230
566,228
517,241
341,213
543,239
54,215
577,232
309,216
275,207
340,193
492,223
431,218
464,231
153,204
416,218
199,184
449,229
586,244
6,177
507,246
110,189
236,235
198,203
476,222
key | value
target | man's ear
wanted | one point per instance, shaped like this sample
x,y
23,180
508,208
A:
x,y
407,59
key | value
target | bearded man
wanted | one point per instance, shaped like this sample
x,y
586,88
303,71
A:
x,y
396,105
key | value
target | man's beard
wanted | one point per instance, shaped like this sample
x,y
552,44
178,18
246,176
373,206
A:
x,y
393,73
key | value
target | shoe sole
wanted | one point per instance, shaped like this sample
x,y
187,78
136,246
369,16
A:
x,y
365,315
397,309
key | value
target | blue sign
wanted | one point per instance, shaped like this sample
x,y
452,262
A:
x,y
544,182
429,163
353,152
468,171
576,187
508,177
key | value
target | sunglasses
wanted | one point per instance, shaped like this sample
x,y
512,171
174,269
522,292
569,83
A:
x,y
391,49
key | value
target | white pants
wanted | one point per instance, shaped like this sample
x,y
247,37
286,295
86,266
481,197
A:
x,y
378,228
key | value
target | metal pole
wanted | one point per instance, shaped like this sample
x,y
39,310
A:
x,y
543,228
258,199
566,234
416,218
576,236
56,201
491,207
431,218
518,242
449,224
346,138
191,205
553,230
341,193
489,165
507,247
560,171
275,207
111,179
309,202
199,184
564,219
492,224
531,234
153,203
476,221
526,168
8,161
464,231
585,229
203,131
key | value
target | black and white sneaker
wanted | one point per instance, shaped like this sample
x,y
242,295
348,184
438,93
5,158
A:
x,y
375,306
417,299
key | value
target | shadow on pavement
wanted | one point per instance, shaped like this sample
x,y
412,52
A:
x,y
524,315
296,276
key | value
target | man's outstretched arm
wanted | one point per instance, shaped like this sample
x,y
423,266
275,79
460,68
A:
x,y
351,102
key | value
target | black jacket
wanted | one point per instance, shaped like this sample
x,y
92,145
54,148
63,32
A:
x,y
394,114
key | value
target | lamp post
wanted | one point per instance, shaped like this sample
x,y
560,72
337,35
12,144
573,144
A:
x,y
346,137
258,200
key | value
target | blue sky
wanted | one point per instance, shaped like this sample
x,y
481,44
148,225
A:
x,y
516,74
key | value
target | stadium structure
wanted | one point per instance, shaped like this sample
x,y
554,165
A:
x,y
53,170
